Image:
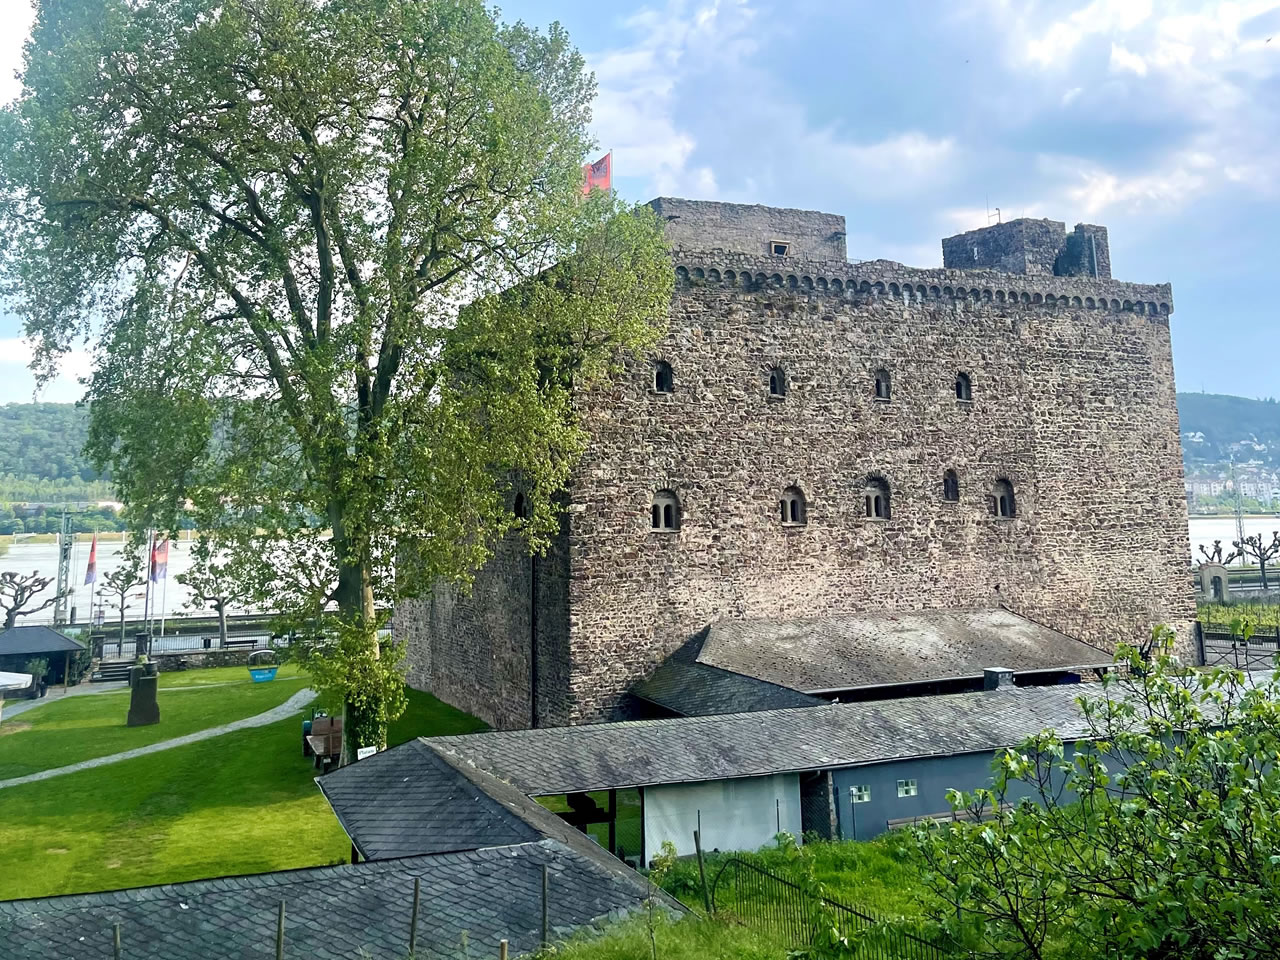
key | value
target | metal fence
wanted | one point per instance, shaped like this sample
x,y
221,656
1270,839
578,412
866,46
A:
x,y
1222,648
763,899
113,648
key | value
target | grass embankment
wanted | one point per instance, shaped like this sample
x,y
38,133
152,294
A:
x,y
242,802
688,939
85,726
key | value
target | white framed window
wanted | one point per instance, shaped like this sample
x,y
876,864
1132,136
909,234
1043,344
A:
x,y
907,788
860,794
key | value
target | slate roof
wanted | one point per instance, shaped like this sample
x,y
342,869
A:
x,y
698,689
34,640
849,651
689,749
335,912
411,800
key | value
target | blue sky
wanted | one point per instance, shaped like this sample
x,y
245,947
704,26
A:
x,y
1160,120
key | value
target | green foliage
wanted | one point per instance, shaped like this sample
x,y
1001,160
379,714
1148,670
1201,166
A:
x,y
41,451
688,938
1223,614
37,667
270,248
1156,837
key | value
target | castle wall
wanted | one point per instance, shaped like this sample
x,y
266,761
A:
x,y
473,648
1073,401
748,228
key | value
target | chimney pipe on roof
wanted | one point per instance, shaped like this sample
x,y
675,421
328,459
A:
x,y
995,677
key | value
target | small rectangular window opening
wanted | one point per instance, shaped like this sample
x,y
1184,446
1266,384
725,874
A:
x,y
860,794
906,788
779,248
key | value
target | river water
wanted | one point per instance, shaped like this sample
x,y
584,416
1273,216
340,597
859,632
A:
x,y
170,597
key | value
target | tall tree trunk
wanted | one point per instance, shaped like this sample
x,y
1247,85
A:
x,y
221,607
363,723
1262,569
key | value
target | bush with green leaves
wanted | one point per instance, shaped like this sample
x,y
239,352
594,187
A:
x,y
1158,835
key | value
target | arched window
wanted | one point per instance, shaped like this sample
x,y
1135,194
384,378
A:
x,y
666,511
519,508
877,498
777,382
1003,504
792,507
964,387
664,380
950,486
883,387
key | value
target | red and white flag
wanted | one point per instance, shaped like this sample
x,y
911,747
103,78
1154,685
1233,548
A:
x,y
598,174
159,560
91,571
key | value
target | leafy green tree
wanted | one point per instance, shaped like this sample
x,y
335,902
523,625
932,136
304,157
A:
x,y
342,279
1157,836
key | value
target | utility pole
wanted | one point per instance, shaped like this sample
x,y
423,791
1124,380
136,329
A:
x,y
64,570
1235,486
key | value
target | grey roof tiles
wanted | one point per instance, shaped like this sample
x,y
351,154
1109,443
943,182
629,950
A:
x,y
33,640
334,912
698,690
689,749
848,651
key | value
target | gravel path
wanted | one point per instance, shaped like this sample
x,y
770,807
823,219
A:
x,y
287,709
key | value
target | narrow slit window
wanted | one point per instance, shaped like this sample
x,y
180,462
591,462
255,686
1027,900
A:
x,y
883,386
777,382
664,380
950,486
964,387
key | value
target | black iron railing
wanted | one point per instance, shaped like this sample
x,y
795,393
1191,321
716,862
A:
x,y
763,899
1222,648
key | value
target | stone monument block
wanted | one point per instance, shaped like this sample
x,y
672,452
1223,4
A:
x,y
144,708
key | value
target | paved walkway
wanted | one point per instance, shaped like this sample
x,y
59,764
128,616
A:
x,y
287,709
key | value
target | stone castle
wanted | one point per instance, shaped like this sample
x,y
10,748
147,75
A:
x,y
833,476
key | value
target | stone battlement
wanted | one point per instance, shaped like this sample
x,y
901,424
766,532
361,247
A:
x,y
880,278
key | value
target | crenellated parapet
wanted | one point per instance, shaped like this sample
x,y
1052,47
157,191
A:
x,y
912,285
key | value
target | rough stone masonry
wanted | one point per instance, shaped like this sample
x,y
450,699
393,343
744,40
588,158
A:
x,y
775,346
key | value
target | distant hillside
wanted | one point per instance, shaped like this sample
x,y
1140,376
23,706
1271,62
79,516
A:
x,y
40,454
1229,425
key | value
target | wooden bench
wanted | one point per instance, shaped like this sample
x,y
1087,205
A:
x,y
241,642
325,742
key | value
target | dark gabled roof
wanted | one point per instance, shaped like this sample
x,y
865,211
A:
x,y
849,651
412,799
688,749
336,912
19,641
698,690
409,800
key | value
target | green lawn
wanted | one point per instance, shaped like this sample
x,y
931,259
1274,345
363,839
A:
x,y
240,803
243,802
427,716
93,725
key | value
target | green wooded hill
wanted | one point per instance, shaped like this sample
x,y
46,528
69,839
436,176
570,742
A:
x,y
41,454
1227,422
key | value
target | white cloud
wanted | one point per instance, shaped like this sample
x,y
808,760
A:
x,y
18,384
638,86
1122,60
1053,45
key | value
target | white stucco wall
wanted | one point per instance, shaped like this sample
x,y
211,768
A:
x,y
742,814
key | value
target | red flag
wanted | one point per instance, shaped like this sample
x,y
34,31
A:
x,y
91,571
159,560
598,174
